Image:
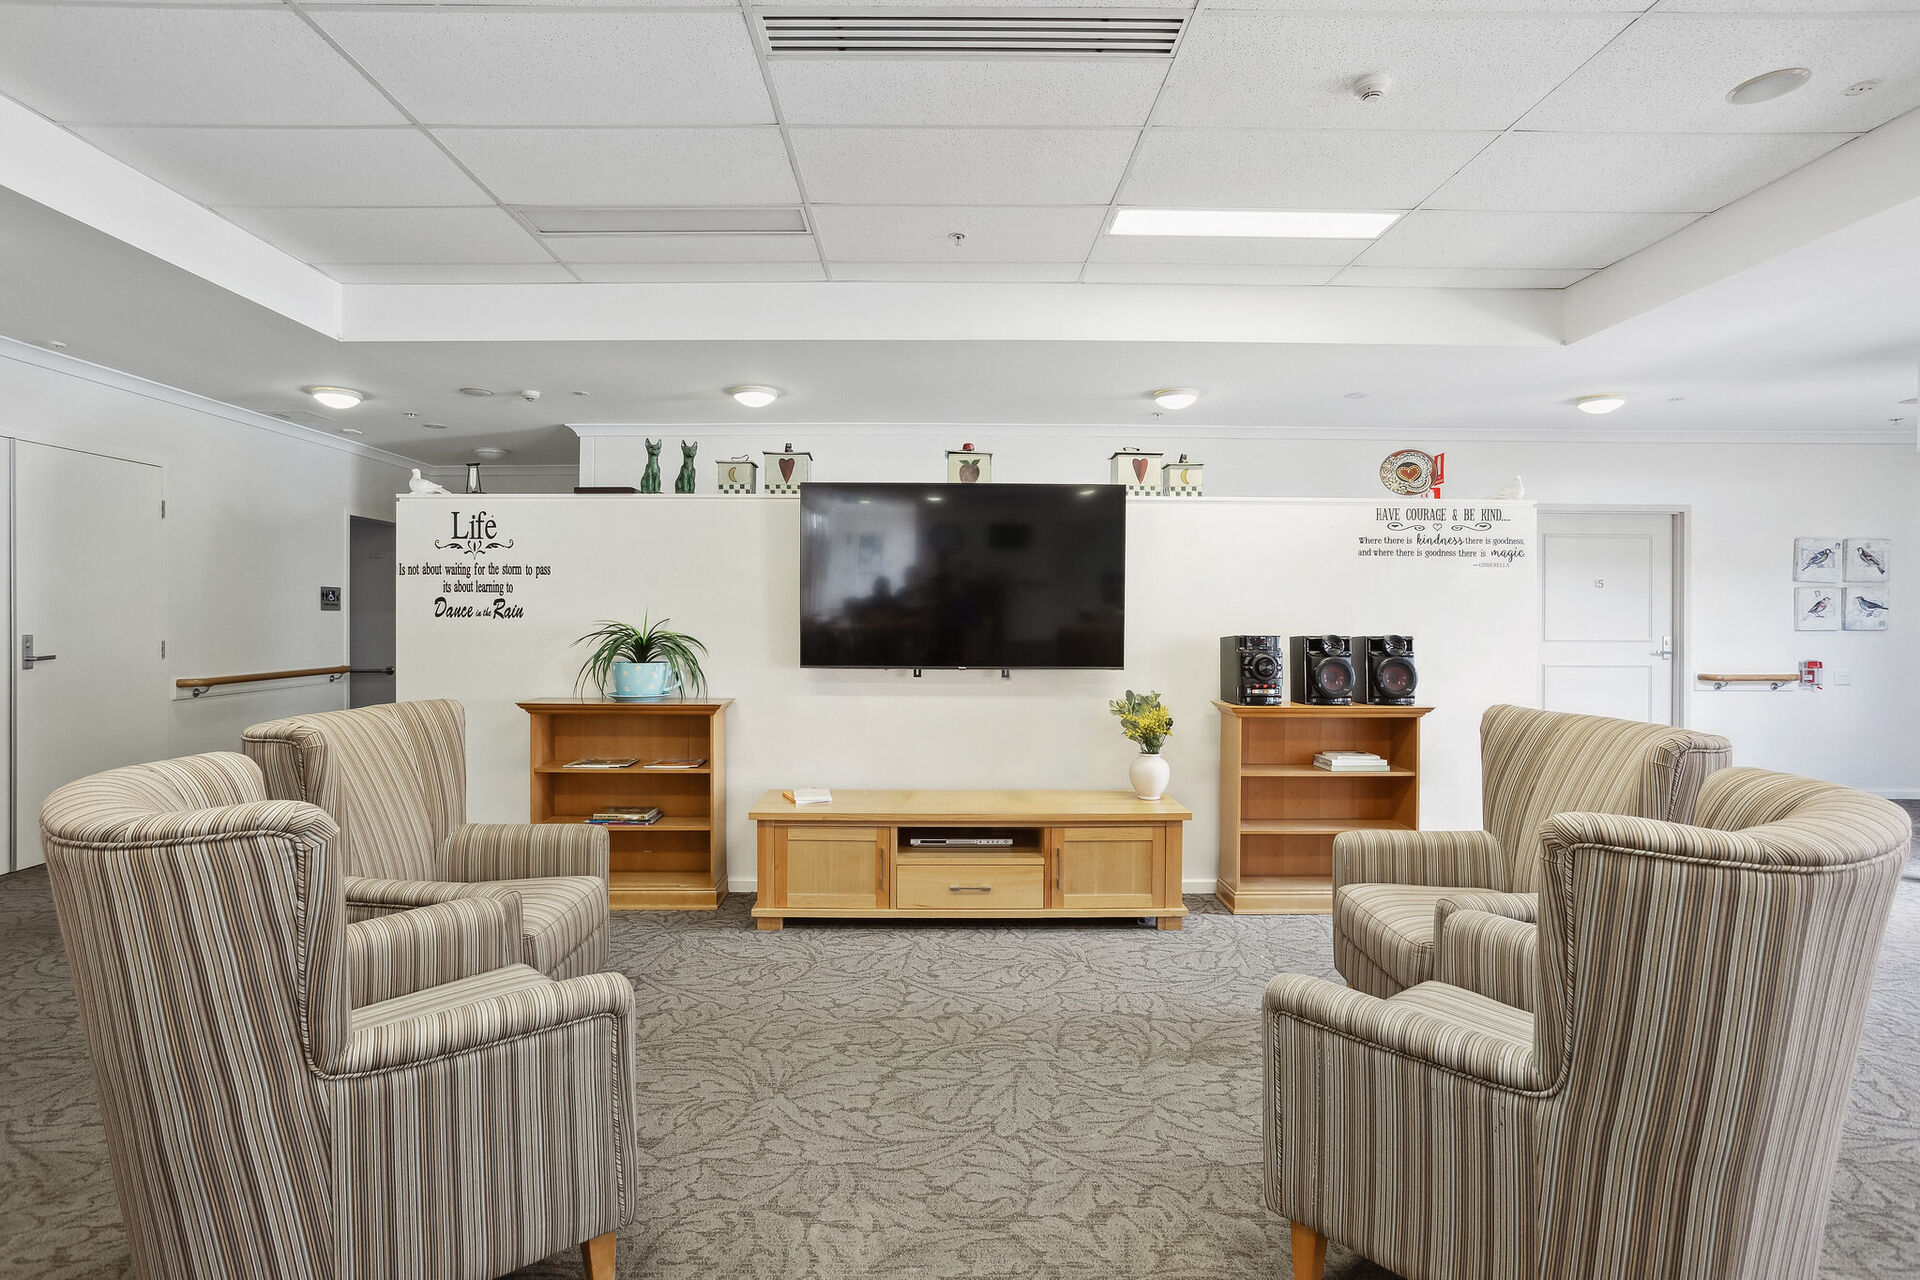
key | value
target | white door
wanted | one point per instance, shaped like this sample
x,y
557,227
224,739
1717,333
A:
x,y
1607,639
89,589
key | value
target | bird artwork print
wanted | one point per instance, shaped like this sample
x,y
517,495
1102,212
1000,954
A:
x,y
1869,606
1818,560
1819,608
1871,560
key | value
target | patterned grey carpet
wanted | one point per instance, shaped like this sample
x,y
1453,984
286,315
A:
x,y
849,1101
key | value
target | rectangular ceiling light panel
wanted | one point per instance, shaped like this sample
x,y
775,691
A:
x,y
551,221
883,33
1292,224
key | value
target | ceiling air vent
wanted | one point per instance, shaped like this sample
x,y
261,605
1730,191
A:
x,y
883,33
736,221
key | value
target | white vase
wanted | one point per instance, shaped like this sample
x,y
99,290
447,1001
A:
x,y
1149,774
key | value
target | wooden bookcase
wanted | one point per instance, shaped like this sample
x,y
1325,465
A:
x,y
1279,814
677,863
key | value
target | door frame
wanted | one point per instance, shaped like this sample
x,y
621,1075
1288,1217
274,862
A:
x,y
1681,518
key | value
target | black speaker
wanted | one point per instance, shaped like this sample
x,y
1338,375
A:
x,y
1387,675
1253,670
1323,674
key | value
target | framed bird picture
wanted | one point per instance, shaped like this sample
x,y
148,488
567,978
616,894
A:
x,y
1867,609
1866,559
1816,559
1816,609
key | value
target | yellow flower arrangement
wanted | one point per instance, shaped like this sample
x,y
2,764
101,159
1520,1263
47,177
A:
x,y
1143,720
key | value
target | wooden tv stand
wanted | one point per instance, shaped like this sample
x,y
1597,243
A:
x,y
1074,854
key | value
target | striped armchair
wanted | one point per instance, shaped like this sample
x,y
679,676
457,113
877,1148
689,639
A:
x,y
1672,1110
291,1097
395,778
1393,889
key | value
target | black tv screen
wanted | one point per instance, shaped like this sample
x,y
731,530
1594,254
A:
x,y
959,575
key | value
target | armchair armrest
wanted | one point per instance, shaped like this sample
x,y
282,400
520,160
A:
x,y
1401,1030
491,1020
369,896
1488,943
408,951
1469,859
524,851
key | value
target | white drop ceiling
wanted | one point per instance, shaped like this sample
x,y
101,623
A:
x,y
1533,141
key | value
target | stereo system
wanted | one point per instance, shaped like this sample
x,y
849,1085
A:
x,y
1253,670
1318,671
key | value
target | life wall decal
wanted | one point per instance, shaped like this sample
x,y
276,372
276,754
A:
x,y
469,588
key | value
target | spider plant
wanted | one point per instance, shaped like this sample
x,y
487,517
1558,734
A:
x,y
649,642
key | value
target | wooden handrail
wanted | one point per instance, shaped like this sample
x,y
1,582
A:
x,y
200,684
1775,681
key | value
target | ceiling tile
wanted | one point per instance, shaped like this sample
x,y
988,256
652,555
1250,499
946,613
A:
x,y
1228,250
962,166
1784,6
448,273
392,235
1437,6
490,66
918,233
961,272
1627,172
1583,240
1459,277
1671,73
1294,70
920,91
313,167
1295,169
684,248
121,65
628,166
699,272
1203,273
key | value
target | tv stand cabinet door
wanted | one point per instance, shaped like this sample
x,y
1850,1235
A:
x,y
1109,868
833,867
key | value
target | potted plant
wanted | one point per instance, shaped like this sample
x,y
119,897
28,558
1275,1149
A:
x,y
1144,720
647,661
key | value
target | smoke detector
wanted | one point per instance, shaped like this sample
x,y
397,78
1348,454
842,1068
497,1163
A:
x,y
529,395
1372,86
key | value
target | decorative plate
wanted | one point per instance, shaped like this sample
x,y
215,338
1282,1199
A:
x,y
1408,472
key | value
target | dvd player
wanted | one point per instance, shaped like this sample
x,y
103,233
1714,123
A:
x,y
960,842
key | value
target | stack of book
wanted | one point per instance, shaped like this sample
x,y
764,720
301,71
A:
x,y
1351,762
622,815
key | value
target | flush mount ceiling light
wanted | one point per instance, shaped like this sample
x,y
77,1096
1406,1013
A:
x,y
1769,86
1174,397
475,391
754,397
1604,403
336,397
1294,224
490,453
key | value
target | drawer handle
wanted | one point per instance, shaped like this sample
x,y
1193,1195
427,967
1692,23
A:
x,y
969,888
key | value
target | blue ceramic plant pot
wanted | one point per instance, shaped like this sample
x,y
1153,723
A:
x,y
644,680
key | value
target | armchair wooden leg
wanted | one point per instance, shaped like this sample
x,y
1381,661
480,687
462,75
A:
x,y
597,1255
1309,1253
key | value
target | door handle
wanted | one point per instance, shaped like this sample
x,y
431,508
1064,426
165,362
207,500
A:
x,y
1665,650
28,657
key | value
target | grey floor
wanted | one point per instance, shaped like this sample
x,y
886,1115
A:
x,y
849,1100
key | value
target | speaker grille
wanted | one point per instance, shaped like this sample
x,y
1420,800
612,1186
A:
x,y
896,34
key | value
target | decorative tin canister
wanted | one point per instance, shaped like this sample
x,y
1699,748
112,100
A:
x,y
965,466
1180,479
1136,470
787,471
737,475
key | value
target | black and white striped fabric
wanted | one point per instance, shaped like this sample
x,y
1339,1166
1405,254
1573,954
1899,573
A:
x,y
1673,1107
394,777
470,1116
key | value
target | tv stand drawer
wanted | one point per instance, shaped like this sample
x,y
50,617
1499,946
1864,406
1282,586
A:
x,y
969,886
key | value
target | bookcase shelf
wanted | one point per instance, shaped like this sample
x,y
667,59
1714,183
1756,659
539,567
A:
x,y
1279,813
678,863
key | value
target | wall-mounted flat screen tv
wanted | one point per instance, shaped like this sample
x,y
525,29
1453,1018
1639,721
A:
x,y
960,575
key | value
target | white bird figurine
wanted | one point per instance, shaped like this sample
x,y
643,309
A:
x,y
1517,489
420,484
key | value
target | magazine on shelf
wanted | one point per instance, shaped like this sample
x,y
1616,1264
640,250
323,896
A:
x,y
604,762
676,762
626,816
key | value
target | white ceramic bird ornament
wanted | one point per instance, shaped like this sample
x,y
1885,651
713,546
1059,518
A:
x,y
420,484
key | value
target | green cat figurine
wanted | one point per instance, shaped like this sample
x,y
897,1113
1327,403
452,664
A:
x,y
683,483
650,480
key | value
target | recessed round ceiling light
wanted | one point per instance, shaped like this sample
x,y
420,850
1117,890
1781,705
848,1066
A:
x,y
351,431
1605,403
753,396
336,397
1174,397
475,391
582,393
1769,86
490,453
1861,88
434,426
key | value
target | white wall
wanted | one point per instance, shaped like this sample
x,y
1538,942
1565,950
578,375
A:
x,y
1744,505
256,525
726,569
